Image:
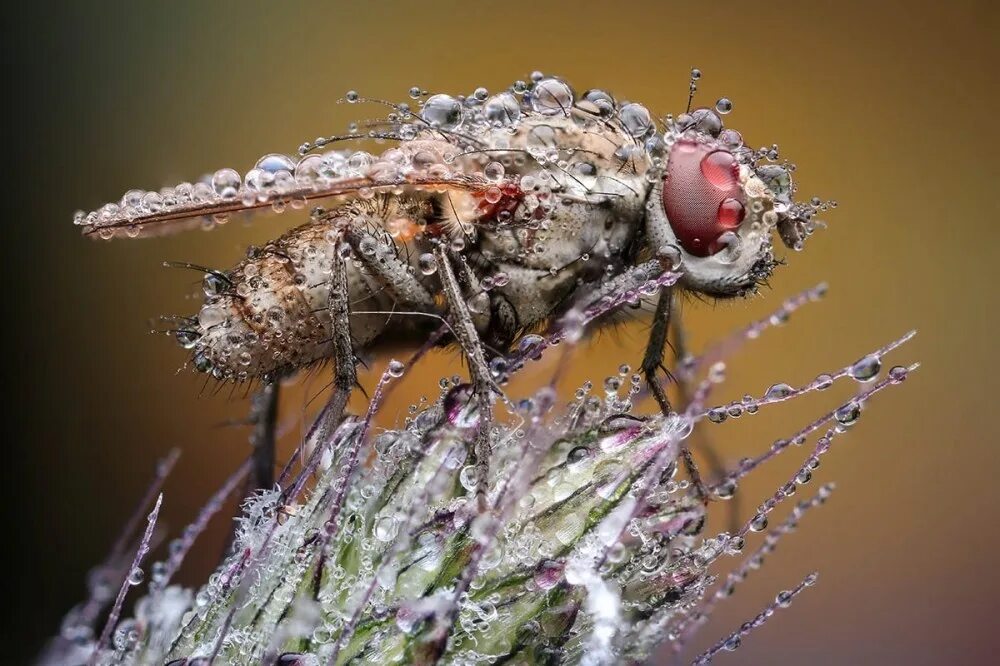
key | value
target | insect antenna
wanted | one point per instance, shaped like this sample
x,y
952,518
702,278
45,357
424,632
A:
x,y
692,87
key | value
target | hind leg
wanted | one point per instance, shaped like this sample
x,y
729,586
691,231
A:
x,y
344,373
264,418
472,346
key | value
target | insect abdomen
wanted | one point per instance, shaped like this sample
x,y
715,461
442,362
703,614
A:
x,y
273,315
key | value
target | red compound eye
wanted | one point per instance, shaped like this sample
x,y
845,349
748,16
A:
x,y
702,196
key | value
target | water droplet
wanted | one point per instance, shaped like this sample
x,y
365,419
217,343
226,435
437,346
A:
x,y
214,284
636,119
721,169
274,163
848,414
187,339
367,246
866,368
730,213
502,110
726,488
731,139
226,183
498,367
823,382
724,105
385,529
706,121
494,172
211,315
551,97
598,102
395,368
136,576
759,522
717,414
778,391
777,179
427,263
442,112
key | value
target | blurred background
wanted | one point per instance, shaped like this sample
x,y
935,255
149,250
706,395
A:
x,y
883,106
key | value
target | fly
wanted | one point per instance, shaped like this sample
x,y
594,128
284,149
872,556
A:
x,y
497,215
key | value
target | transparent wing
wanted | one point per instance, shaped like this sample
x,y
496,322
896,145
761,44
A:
x,y
277,183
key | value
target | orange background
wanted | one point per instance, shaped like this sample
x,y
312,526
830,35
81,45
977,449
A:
x,y
885,107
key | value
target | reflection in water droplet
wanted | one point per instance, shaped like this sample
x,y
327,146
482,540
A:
x,y
442,112
552,97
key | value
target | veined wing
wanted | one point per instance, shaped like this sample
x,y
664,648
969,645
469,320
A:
x,y
278,183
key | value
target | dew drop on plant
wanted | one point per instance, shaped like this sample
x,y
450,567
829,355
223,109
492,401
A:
x,y
778,391
726,488
395,368
385,529
848,414
226,183
735,545
274,163
724,105
136,576
717,414
823,382
866,368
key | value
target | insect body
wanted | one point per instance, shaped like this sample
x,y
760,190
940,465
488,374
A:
x,y
496,214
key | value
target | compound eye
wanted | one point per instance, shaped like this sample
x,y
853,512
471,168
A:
x,y
702,196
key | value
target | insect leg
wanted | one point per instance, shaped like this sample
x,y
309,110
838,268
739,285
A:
x,y
264,417
714,463
345,375
653,361
482,385
630,280
655,346
392,272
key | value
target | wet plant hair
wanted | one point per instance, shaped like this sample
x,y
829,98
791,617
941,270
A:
x,y
591,547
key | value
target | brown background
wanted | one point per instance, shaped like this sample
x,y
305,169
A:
x,y
884,107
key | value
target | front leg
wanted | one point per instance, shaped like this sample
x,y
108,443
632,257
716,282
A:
x,y
482,385
632,280
656,345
